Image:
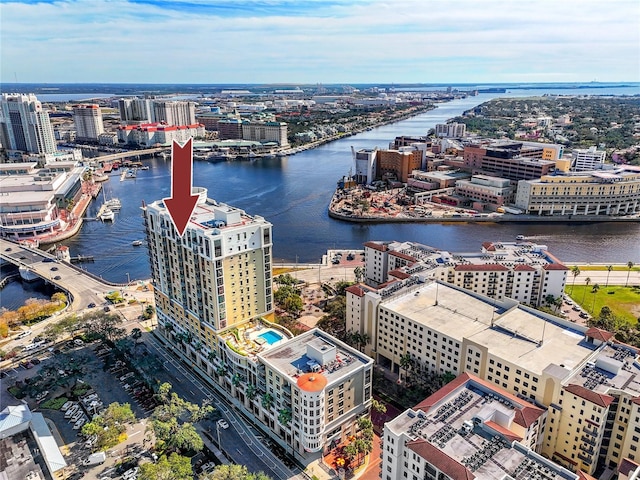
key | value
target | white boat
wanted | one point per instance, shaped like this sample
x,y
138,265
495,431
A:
x,y
27,275
136,243
146,167
72,411
113,204
131,173
66,406
107,215
80,422
520,237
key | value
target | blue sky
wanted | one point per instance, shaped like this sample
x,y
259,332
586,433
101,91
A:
x,y
307,41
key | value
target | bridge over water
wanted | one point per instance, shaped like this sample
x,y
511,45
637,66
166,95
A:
x,y
131,154
83,287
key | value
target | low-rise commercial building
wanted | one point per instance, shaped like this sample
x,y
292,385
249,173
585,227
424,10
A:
x,y
29,449
34,200
610,192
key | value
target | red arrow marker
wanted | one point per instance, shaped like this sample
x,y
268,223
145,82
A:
x,y
181,203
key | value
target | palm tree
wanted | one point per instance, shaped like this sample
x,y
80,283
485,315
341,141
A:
x,y
629,266
575,271
609,268
587,282
594,290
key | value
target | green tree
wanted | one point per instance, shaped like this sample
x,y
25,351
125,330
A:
x,y
294,304
59,298
358,272
104,325
609,268
378,406
233,472
174,467
594,290
172,421
110,425
587,282
629,267
575,271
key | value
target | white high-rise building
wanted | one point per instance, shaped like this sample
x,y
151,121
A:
x,y
135,110
24,125
587,159
451,130
174,113
88,121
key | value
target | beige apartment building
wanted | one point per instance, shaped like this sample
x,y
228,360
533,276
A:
x,y
589,383
469,429
213,292
520,270
604,192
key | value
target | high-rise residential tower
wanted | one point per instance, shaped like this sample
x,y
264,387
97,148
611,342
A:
x,y
88,121
214,303
24,125
218,274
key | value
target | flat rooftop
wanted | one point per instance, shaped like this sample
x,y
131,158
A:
x,y
468,429
614,367
514,334
292,360
212,216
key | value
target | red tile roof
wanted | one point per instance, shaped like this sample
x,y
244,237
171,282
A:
x,y
636,400
356,290
599,399
485,267
505,432
402,255
584,476
376,246
489,246
399,274
525,416
555,266
598,334
627,466
440,460
524,268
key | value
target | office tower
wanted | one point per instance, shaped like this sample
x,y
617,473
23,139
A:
x,y
24,125
88,121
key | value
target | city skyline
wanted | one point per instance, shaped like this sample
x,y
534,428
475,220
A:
x,y
365,41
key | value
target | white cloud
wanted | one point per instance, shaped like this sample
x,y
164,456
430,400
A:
x,y
401,41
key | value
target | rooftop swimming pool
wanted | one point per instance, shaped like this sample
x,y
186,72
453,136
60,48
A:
x,y
271,337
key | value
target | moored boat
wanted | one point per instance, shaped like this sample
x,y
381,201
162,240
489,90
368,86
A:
x,y
136,243
107,215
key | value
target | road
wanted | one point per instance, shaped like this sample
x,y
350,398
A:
x,y
238,441
84,289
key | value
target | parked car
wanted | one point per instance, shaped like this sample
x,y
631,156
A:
x,y
91,305
222,423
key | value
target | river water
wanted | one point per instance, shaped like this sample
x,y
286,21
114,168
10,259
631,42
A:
x,y
293,194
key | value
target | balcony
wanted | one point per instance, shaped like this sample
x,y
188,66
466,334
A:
x,y
588,440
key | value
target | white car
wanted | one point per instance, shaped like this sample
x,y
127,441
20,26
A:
x,y
222,423
131,474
